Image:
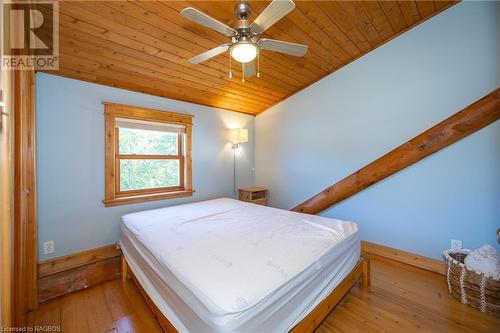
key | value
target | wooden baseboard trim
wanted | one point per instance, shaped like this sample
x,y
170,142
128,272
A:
x,y
66,274
59,264
430,264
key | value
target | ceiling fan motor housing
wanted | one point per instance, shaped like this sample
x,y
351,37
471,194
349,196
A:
x,y
241,25
242,10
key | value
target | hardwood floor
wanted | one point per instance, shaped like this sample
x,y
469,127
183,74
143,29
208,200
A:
x,y
402,298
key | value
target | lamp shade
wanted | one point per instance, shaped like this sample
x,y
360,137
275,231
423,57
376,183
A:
x,y
239,135
243,52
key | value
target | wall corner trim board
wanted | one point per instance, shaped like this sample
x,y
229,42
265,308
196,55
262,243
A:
x,y
463,123
25,195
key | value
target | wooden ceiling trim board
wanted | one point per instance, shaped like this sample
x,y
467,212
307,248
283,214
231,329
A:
x,y
95,14
90,66
328,40
170,11
70,73
86,50
145,46
141,18
410,12
110,64
171,25
108,37
316,53
113,19
134,53
316,50
83,26
305,62
323,21
425,8
75,74
393,13
361,21
175,92
378,18
224,11
94,78
167,79
334,12
119,27
202,79
438,5
151,11
325,40
124,50
312,57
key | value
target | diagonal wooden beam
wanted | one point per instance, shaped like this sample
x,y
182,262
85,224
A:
x,y
471,119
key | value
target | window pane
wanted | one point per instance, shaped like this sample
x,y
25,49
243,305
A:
x,y
144,142
147,174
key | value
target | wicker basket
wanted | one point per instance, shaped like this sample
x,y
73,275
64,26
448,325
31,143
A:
x,y
470,287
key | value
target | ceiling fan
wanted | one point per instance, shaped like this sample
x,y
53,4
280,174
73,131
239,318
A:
x,y
245,42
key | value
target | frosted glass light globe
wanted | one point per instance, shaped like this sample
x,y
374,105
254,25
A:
x,y
243,52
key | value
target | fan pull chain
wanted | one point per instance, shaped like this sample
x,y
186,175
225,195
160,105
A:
x,y
230,72
258,63
242,72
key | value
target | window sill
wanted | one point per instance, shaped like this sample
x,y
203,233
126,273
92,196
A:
x,y
146,197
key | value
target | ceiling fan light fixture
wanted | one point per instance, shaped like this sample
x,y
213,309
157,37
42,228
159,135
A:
x,y
245,38
243,52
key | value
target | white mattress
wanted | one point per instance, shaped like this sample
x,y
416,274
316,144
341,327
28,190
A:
x,y
228,266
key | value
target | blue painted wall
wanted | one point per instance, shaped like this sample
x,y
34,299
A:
x,y
70,160
343,122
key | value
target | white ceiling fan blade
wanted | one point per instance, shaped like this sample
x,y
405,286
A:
x,y
272,14
297,50
249,68
209,54
203,19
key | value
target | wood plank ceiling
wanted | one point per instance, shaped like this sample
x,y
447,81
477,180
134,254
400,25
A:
x,y
145,46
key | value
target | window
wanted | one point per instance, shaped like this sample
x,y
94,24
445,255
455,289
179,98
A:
x,y
148,155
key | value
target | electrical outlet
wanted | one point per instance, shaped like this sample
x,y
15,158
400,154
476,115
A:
x,y
48,247
456,245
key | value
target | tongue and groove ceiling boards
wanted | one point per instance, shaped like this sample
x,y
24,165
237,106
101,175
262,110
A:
x,y
145,46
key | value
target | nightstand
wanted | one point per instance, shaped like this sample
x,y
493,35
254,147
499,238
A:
x,y
254,194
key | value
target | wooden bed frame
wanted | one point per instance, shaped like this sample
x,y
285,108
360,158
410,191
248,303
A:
x,y
308,324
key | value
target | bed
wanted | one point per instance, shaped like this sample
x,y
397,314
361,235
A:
x,y
229,266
